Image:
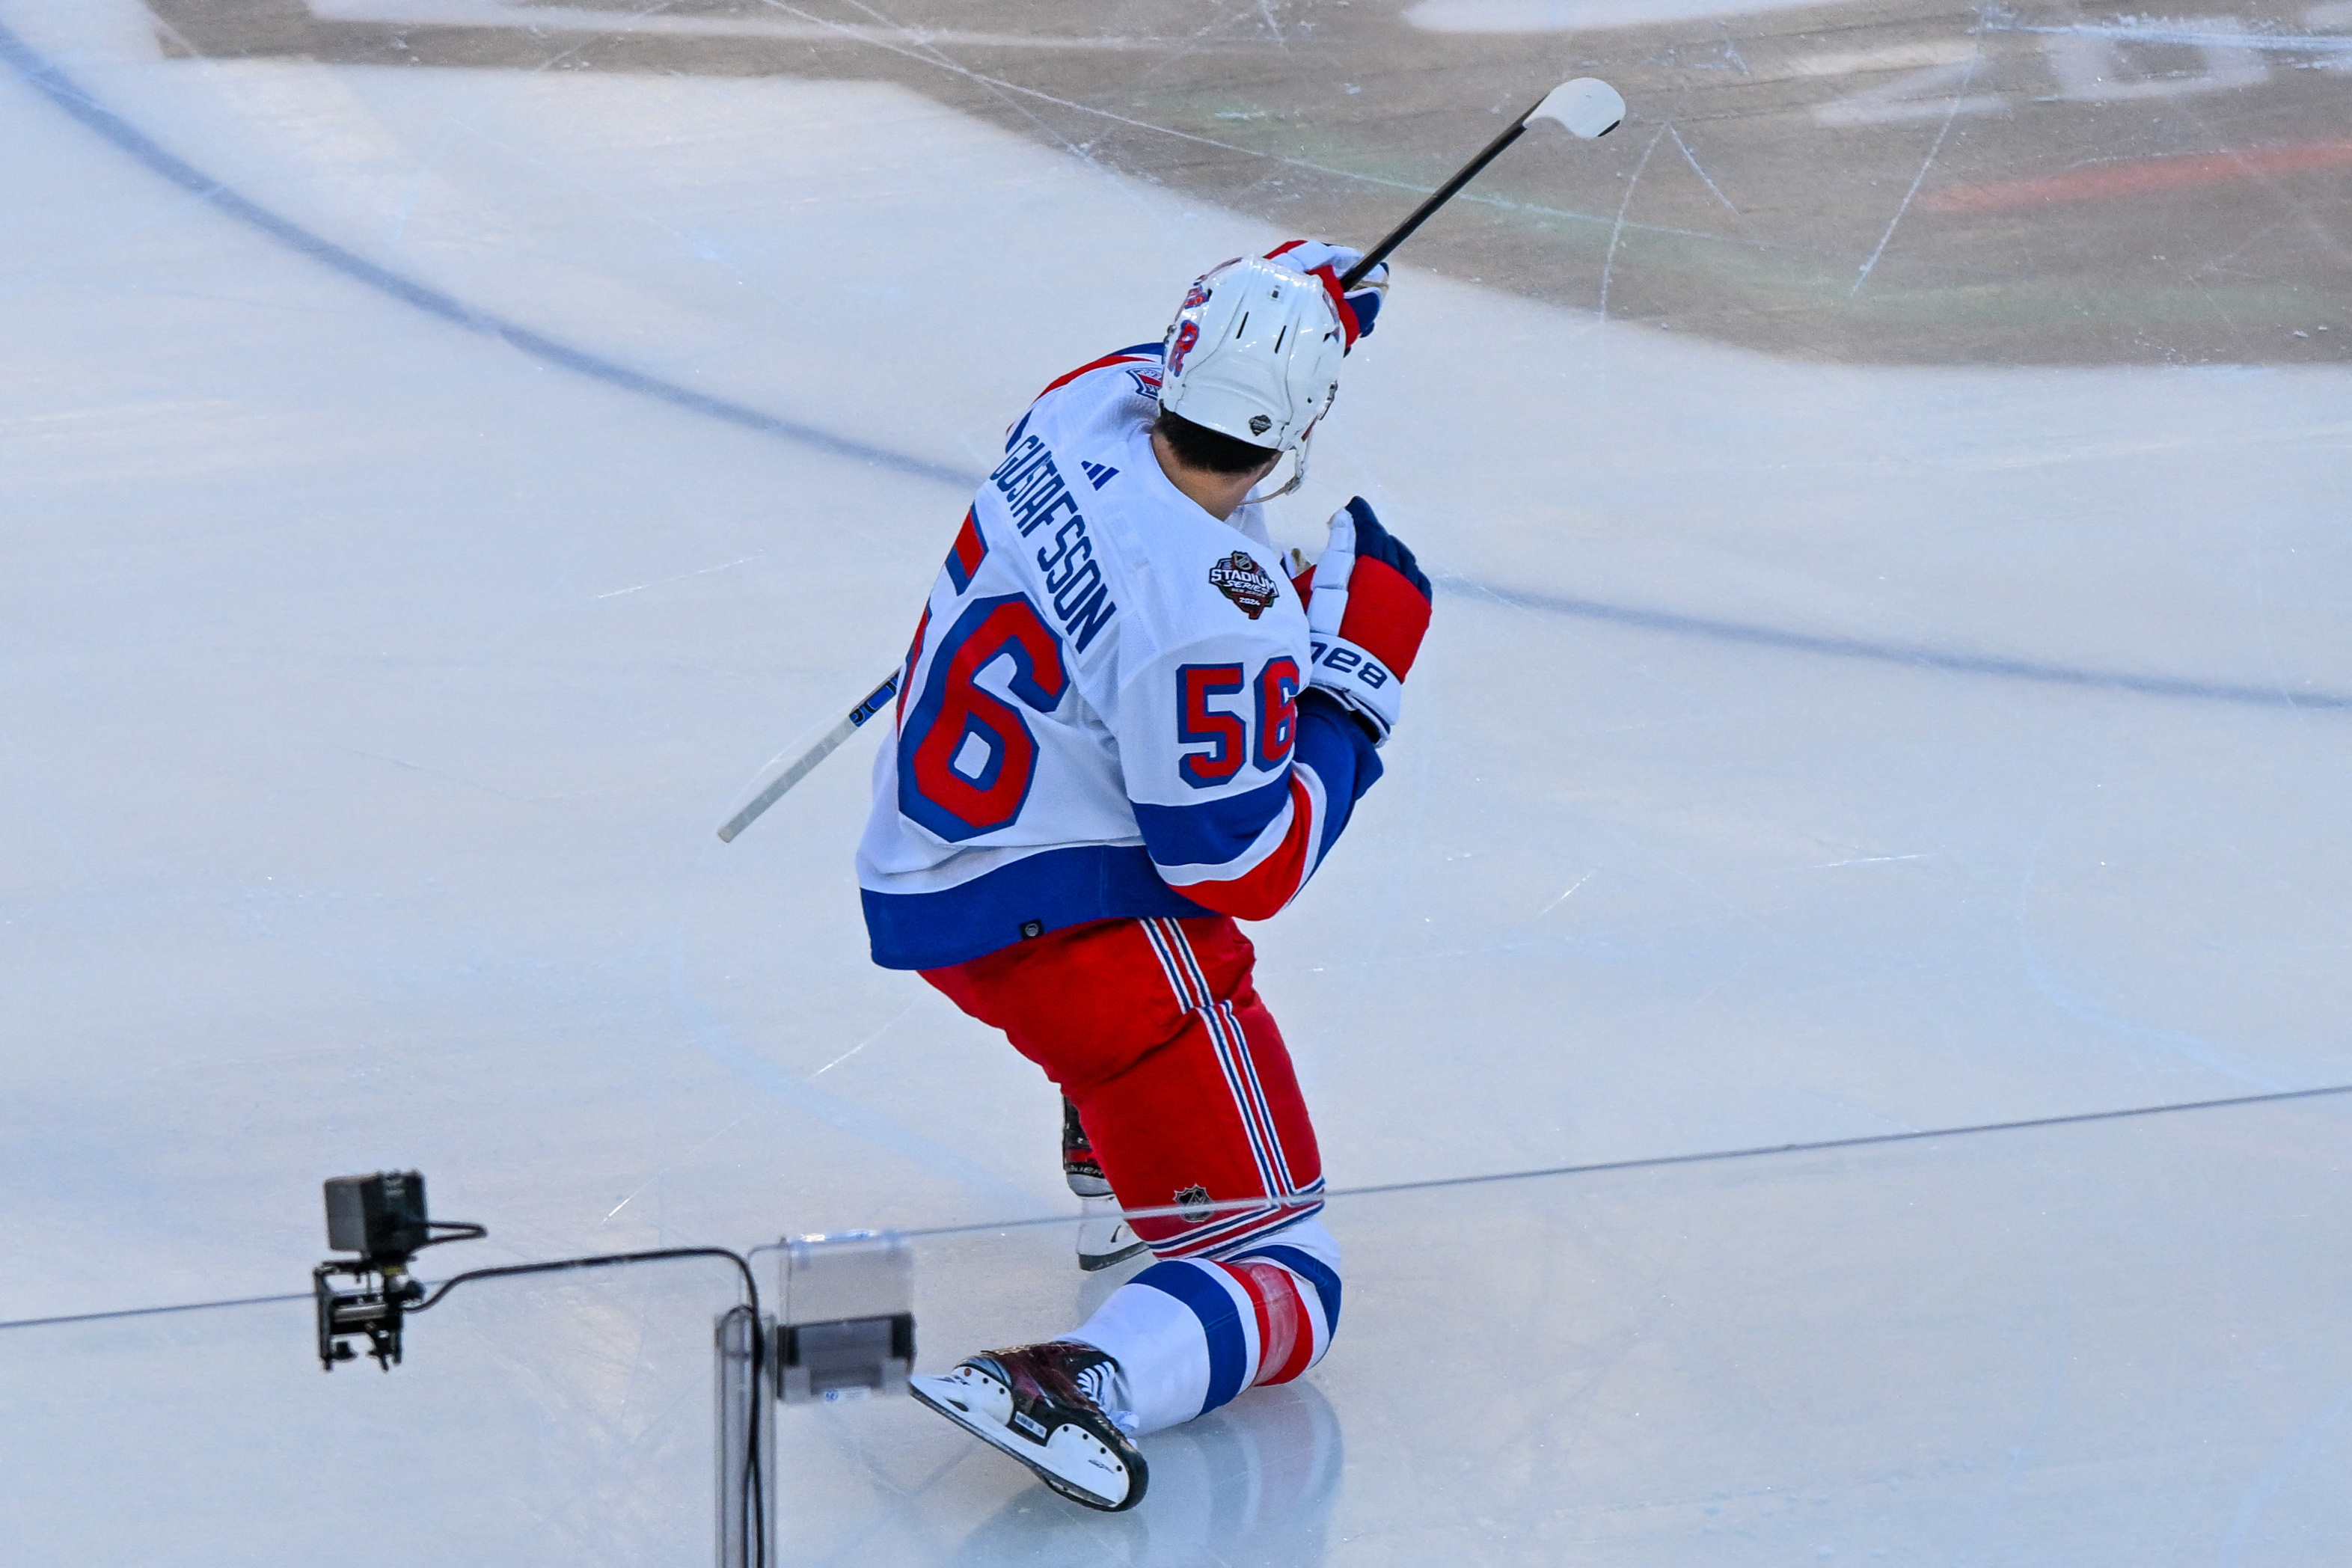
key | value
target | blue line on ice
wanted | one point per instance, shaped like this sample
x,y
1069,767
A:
x,y
66,94
69,95
1916,654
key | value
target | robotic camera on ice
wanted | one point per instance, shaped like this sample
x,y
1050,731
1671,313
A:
x,y
383,1218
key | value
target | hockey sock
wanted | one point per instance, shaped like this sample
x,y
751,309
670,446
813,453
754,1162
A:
x,y
1284,1340
1190,1334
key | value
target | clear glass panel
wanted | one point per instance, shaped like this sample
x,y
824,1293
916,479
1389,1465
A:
x,y
564,1419
2115,1342
2112,1344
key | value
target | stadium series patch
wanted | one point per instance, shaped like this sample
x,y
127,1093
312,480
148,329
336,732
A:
x,y
1244,581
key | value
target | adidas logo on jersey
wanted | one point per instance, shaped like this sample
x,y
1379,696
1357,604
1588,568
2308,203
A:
x,y
1102,473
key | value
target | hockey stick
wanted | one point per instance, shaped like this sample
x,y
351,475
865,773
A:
x,y
1587,106
803,765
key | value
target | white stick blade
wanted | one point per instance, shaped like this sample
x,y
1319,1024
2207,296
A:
x,y
1587,106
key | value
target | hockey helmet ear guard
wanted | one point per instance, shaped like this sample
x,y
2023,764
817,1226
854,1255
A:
x,y
1253,353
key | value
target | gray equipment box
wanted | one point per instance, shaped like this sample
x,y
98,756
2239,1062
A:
x,y
848,1323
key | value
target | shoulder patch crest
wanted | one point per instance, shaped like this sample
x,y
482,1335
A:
x,y
1245,582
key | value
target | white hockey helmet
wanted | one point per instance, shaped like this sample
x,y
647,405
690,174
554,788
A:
x,y
1253,353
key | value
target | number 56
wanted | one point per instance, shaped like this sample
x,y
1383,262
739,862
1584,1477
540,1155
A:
x,y
1261,730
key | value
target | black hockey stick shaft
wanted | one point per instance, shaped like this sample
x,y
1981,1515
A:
x,y
1577,119
1437,198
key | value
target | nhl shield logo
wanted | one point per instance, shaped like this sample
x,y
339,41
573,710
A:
x,y
1245,582
1194,1204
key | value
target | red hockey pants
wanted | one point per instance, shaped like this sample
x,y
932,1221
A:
x,y
1153,1030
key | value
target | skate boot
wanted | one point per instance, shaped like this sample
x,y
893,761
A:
x,y
1043,1405
1104,1235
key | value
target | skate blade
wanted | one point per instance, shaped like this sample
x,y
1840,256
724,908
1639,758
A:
x,y
1073,1461
1101,1246
1095,1262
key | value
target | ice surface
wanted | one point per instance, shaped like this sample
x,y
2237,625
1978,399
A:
x,y
2075,1345
1805,748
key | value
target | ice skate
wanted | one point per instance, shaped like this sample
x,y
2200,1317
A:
x,y
1104,1235
1040,1404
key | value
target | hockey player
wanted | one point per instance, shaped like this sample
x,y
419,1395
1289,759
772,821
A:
x,y
1121,729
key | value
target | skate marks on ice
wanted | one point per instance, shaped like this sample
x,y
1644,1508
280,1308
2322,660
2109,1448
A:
x,y
2102,1345
103,119
60,88
1865,181
2070,1347
1254,1482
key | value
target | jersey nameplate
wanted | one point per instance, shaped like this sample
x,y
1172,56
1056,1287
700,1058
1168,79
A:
x,y
1034,495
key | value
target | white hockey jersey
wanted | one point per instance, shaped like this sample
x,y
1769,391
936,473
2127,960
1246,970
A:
x,y
1104,711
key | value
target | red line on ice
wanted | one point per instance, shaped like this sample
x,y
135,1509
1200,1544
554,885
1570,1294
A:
x,y
2167,173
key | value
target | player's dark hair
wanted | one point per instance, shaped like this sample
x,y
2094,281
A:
x,y
1198,446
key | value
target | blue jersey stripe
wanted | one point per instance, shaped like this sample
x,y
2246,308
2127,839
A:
x,y
1339,751
1052,889
1210,832
1219,832
1220,1321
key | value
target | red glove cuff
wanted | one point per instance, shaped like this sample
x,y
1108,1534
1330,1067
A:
x,y
1387,616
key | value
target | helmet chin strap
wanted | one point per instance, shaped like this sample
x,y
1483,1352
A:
x,y
1297,472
